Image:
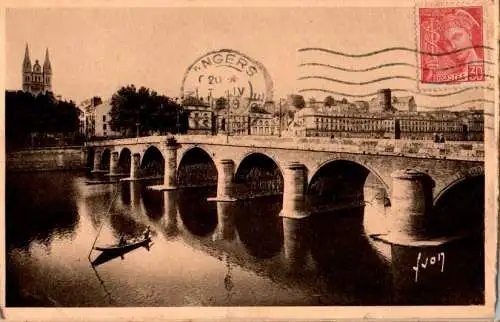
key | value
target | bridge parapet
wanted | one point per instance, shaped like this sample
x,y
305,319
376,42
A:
x,y
454,150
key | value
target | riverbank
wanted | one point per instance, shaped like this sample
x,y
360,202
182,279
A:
x,y
46,159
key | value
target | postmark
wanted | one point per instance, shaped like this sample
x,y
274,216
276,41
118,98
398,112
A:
x,y
451,47
228,74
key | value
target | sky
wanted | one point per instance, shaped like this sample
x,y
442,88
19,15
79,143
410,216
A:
x,y
94,51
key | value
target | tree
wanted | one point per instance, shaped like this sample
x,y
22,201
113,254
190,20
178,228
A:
x,y
329,101
297,101
144,108
28,115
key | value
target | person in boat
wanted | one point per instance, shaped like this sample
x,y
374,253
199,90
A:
x,y
147,232
122,241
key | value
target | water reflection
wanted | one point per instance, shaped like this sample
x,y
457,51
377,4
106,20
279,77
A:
x,y
217,253
198,215
345,256
126,194
135,196
296,244
125,225
103,284
259,226
226,228
40,207
169,221
153,203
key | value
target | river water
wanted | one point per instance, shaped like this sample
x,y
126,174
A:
x,y
202,254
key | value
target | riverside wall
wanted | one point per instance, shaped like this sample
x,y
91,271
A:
x,y
46,159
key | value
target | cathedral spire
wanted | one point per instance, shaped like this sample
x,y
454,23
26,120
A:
x,y
27,61
47,69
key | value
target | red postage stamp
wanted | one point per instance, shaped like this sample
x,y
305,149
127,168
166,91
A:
x,y
451,45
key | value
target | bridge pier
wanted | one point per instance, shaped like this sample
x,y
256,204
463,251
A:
x,y
134,166
294,190
170,173
225,181
97,162
170,177
423,263
411,205
113,164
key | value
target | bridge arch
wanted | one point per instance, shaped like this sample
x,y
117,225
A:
x,y
459,208
370,170
258,174
347,186
105,159
196,168
124,160
152,162
459,177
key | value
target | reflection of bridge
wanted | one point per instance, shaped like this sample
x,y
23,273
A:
x,y
310,172
282,249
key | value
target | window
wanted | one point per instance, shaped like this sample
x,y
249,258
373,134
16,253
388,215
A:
x,y
104,127
104,118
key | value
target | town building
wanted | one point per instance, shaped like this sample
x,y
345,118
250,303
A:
x,y
259,124
200,120
102,120
383,120
404,103
383,117
381,102
89,114
253,120
81,122
36,79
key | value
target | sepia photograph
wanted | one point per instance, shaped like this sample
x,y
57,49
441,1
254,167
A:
x,y
265,160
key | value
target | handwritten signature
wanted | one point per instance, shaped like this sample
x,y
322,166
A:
x,y
429,261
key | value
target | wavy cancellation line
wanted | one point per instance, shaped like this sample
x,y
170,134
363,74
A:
x,y
395,90
444,107
376,52
375,80
360,70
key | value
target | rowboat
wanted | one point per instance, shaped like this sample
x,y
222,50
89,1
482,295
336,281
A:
x,y
130,245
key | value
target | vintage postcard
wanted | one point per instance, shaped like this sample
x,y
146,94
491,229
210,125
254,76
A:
x,y
195,160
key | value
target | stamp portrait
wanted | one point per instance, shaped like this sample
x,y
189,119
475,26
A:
x,y
451,41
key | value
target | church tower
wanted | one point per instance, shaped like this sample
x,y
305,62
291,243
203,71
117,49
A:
x,y
27,70
47,73
37,79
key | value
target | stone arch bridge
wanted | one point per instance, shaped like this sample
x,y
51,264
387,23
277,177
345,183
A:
x,y
414,174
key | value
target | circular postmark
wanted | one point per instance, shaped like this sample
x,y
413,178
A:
x,y
243,82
